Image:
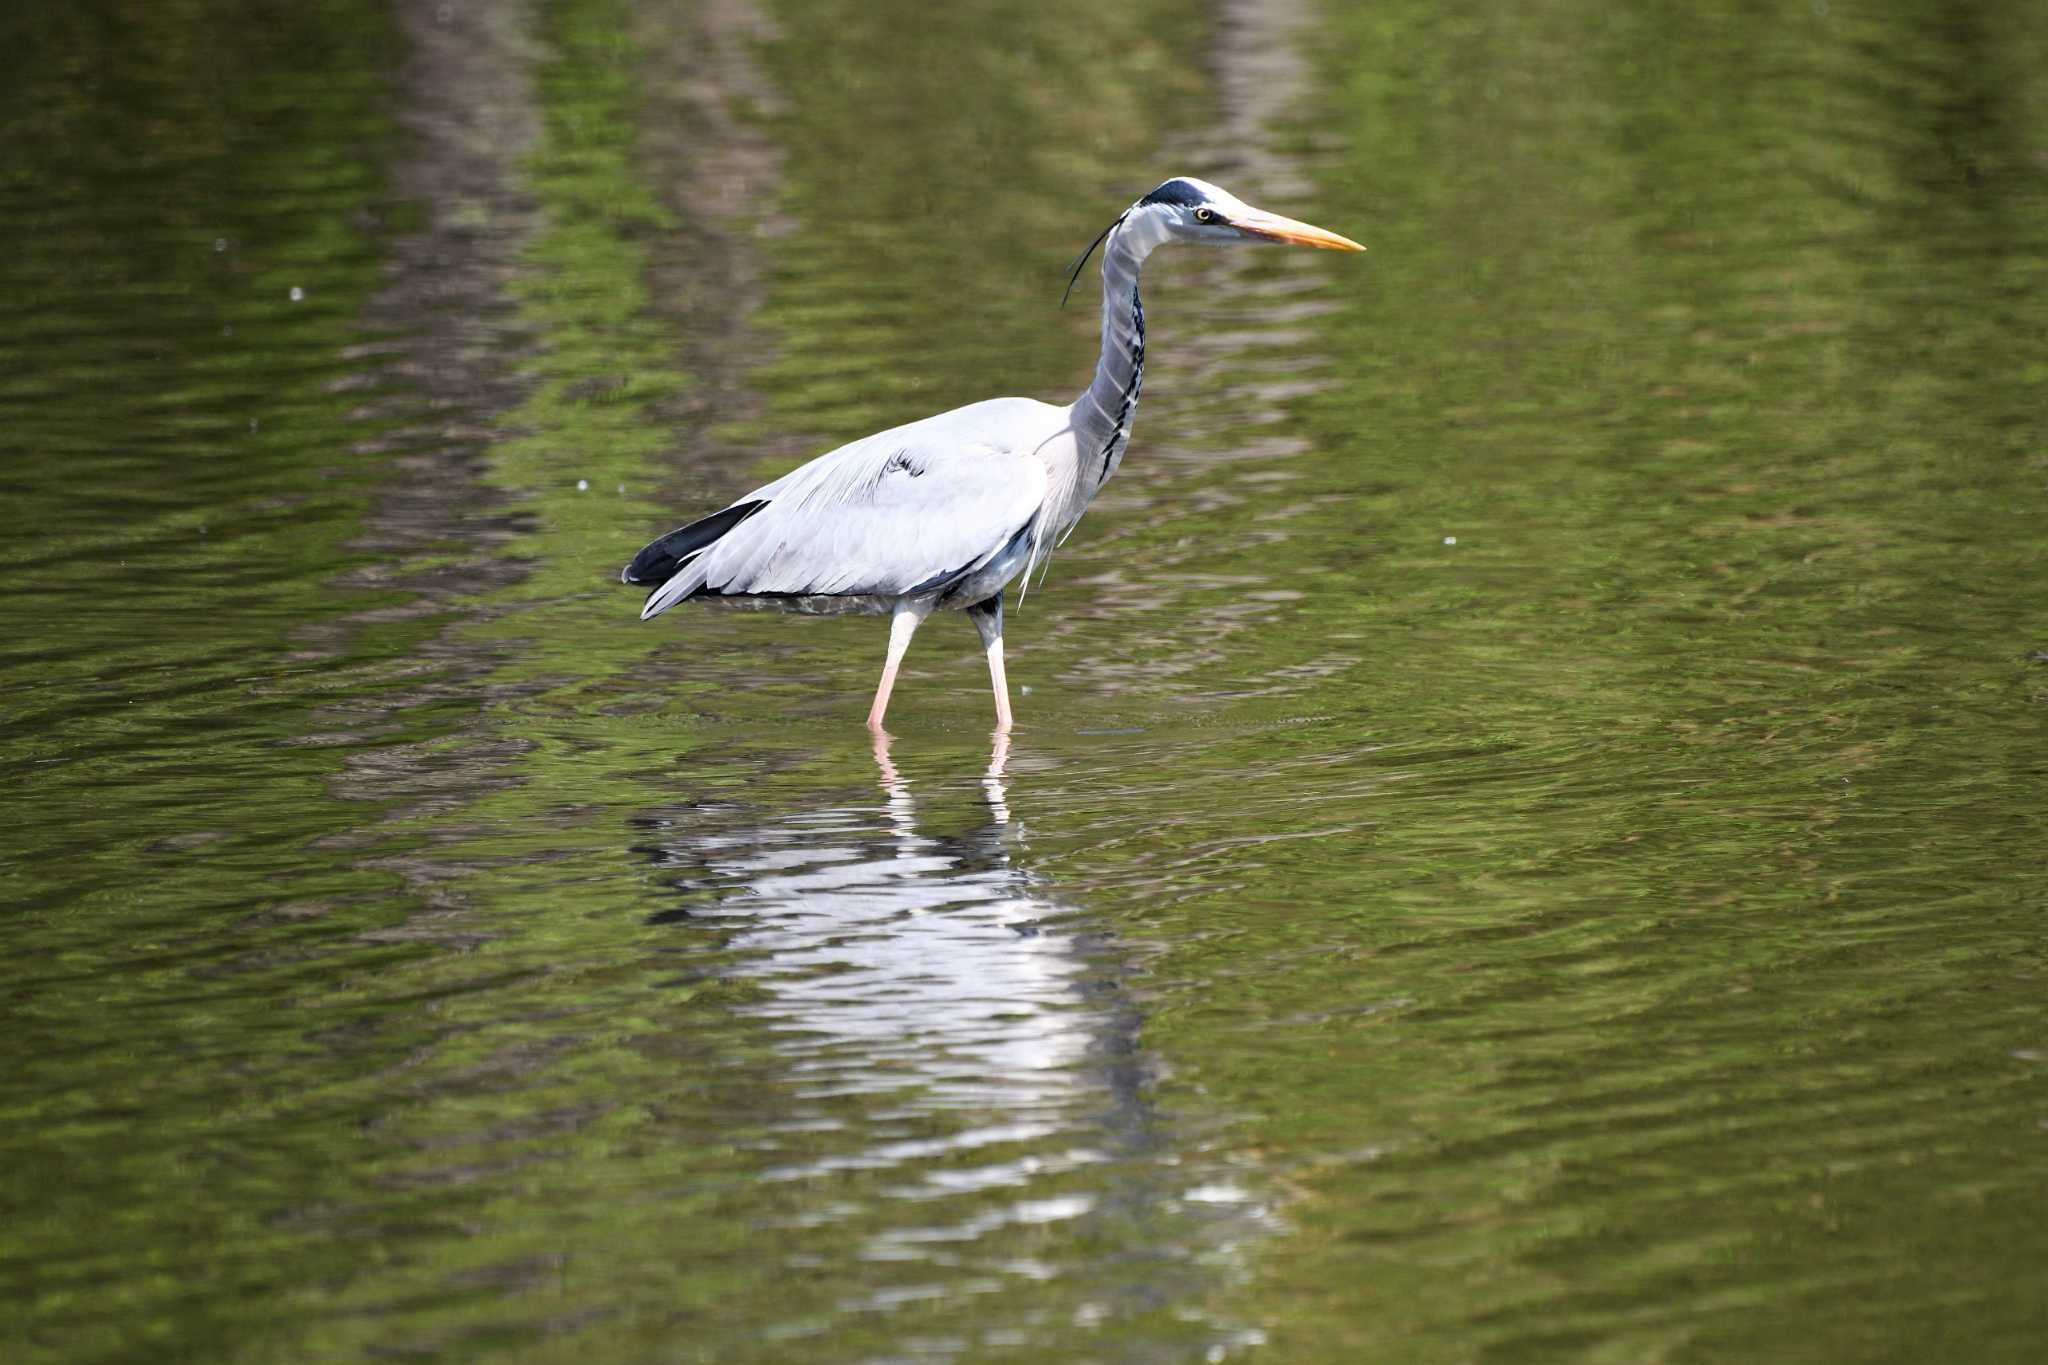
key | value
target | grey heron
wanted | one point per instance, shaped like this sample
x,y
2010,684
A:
x,y
945,512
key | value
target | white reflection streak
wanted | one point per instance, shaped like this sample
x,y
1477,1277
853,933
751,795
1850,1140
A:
x,y
915,963
943,1036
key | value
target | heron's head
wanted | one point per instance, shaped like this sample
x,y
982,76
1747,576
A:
x,y
1192,210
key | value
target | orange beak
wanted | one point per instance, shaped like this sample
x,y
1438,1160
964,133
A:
x,y
1260,223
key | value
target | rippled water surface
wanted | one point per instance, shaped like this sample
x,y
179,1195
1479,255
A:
x,y
1525,837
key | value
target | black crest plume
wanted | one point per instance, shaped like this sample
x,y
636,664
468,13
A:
x,y
1074,270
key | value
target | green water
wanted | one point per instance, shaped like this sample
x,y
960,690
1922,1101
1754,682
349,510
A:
x,y
1524,840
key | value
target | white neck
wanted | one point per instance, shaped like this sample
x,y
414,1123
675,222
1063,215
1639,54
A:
x,y
1103,415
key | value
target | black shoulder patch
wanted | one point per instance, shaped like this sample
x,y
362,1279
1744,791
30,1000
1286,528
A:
x,y
1176,192
904,462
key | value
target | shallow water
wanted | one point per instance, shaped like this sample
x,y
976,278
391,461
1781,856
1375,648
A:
x,y
1524,839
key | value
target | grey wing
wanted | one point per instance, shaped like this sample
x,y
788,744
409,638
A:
x,y
897,514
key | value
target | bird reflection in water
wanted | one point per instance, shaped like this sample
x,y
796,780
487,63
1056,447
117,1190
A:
x,y
958,1081
894,960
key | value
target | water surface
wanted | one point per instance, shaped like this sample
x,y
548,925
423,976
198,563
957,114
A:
x,y
1524,836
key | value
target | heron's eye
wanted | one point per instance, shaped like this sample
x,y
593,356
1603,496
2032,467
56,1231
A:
x,y
1205,215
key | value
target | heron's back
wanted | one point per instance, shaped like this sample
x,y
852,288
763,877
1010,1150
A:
x,y
953,504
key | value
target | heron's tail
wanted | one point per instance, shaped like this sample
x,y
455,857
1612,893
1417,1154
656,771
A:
x,y
664,558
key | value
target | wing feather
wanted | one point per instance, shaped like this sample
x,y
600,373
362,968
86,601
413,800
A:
x,y
896,514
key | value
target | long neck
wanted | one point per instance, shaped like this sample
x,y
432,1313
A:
x,y
1103,415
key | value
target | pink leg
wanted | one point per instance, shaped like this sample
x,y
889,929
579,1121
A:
x,y
901,627
1000,683
988,619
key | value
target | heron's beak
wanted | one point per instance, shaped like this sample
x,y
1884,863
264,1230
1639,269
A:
x,y
1259,223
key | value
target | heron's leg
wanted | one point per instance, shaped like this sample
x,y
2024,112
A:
x,y
988,619
902,626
